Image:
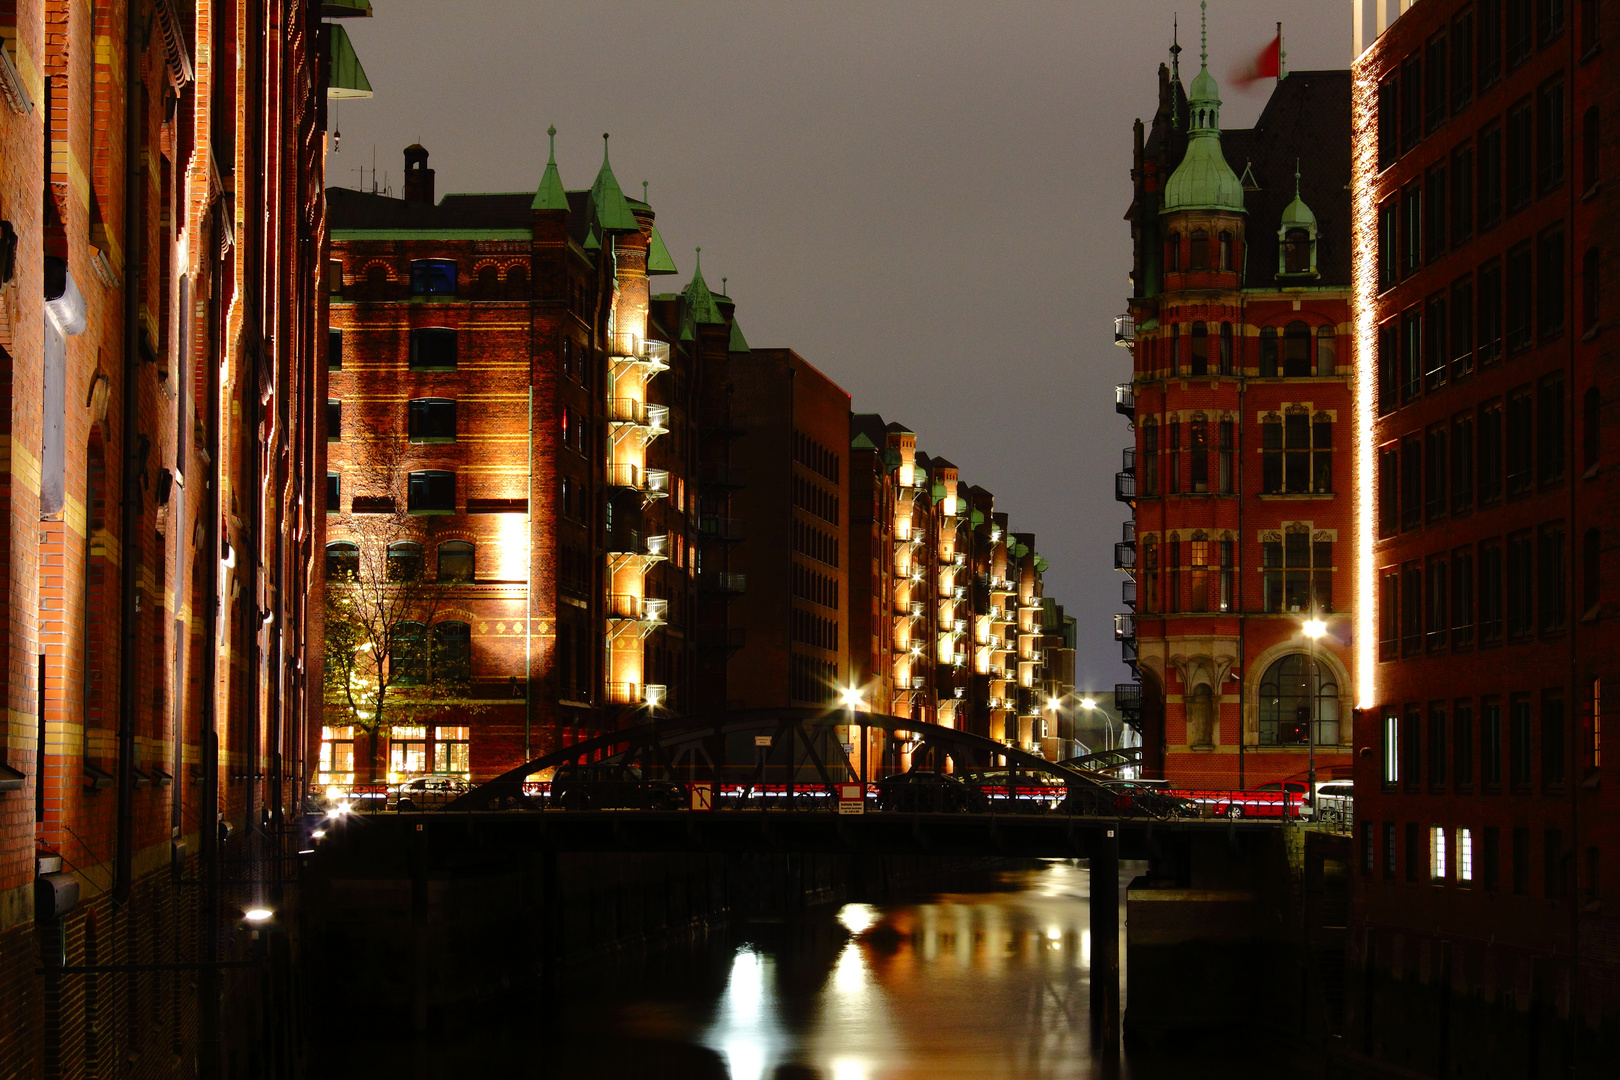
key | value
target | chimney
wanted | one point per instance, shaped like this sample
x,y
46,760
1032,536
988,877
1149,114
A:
x,y
418,177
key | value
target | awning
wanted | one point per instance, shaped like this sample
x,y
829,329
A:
x,y
347,78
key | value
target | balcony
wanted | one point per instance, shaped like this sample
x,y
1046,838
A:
x,y
1125,488
1128,697
721,528
642,609
632,351
652,483
722,583
623,693
1127,593
649,549
626,414
1125,627
1127,651
1125,555
1125,401
1125,330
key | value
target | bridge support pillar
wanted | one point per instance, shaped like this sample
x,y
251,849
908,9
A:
x,y
1104,869
420,976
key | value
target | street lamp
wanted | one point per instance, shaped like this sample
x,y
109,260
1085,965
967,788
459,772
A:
x,y
1090,705
1314,628
851,696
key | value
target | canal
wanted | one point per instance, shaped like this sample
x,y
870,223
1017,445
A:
x,y
988,978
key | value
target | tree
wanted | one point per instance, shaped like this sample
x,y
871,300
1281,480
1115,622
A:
x,y
390,660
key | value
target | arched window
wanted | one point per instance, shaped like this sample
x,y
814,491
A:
x,y
1172,252
1198,253
455,561
517,282
407,666
1297,251
1293,691
452,652
1225,240
342,561
404,561
1175,349
1296,361
1327,353
489,281
1200,349
1226,348
1268,352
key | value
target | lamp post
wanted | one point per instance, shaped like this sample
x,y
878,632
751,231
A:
x,y
1314,628
852,701
1090,705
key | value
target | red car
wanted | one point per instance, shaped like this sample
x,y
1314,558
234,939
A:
x,y
1284,800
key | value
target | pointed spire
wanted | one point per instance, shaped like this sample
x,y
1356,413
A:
x,y
1203,179
738,343
699,300
658,260
550,194
608,205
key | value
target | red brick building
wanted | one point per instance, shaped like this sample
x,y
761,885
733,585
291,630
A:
x,y
1484,223
159,327
1240,476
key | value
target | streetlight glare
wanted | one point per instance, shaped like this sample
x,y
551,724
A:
x,y
1088,703
1052,703
258,914
1315,628
851,697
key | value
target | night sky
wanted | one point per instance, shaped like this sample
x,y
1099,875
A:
x,y
924,200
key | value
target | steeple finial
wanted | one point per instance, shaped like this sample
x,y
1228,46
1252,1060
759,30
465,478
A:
x,y
551,133
604,147
550,195
723,286
644,192
1296,178
1203,34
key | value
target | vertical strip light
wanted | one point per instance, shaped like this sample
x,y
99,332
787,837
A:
x,y
1364,330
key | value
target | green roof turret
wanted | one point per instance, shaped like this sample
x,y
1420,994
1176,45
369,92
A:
x,y
1297,213
699,300
608,204
1203,180
550,194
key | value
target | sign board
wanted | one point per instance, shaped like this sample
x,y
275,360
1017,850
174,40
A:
x,y
849,747
762,740
702,795
851,798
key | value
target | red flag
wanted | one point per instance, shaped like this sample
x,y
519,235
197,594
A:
x,y
1265,66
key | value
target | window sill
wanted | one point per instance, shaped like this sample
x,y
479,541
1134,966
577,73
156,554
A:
x,y
437,368
431,513
431,440
1302,496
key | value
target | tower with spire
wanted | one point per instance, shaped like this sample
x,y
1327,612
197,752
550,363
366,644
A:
x,y
1240,528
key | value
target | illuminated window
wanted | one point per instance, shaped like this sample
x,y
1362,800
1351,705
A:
x,y
408,749
1297,572
455,561
451,750
336,756
1392,764
342,561
433,277
1437,853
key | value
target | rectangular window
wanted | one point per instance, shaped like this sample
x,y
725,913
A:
x,y
1462,61
336,762
1389,490
1411,608
1411,354
1489,203
1462,463
1436,242
1437,746
1464,856
1227,450
432,420
334,420
1489,315
1551,577
433,277
1462,598
1438,601
1436,100
1462,194
1367,857
1436,469
432,492
1412,748
1389,849
1490,42
1550,137
1389,609
1521,862
1549,20
1389,97
1552,739
1593,750
1389,368
1411,482
452,750
1521,744
1490,594
433,348
1411,101
1490,743
1520,597
1437,349
1550,283
1519,32
1520,429
1414,852
1412,228
1519,298
334,502
334,350
1392,748
1490,861
1462,329
1520,157
1437,854
1490,453
1552,862
1388,247
1463,745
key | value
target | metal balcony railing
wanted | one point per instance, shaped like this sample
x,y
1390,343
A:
x,y
631,349
1125,487
919,682
623,693
1127,458
1125,400
626,411
721,528
1127,651
658,545
1125,555
1127,593
722,583
654,609
1128,530
1128,697
623,606
1125,330
653,483
1125,627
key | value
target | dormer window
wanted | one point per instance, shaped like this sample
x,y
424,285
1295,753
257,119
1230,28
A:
x,y
1296,253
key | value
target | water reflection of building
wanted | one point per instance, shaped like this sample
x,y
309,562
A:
x,y
1240,472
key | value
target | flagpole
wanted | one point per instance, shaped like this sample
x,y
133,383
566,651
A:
x,y
1282,67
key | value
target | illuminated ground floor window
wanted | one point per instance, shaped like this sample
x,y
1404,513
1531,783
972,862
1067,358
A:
x,y
1437,853
337,755
1465,855
414,749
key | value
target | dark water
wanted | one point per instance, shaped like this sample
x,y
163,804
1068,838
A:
x,y
988,981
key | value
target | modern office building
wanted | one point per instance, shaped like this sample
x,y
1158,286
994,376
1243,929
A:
x,y
1240,474
1483,207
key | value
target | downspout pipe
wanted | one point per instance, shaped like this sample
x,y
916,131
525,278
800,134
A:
x,y
134,473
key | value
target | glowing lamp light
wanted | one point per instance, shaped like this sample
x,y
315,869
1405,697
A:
x,y
317,834
1052,703
1314,628
851,697
258,914
1088,703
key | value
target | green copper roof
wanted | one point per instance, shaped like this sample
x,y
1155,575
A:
x,y
1041,564
348,78
608,204
592,241
1203,180
891,458
738,342
550,194
977,518
861,442
658,260
699,300
937,492
1020,550
1297,213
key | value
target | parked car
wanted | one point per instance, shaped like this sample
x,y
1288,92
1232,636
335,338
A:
x,y
1127,798
609,786
929,792
1017,791
1270,801
421,792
